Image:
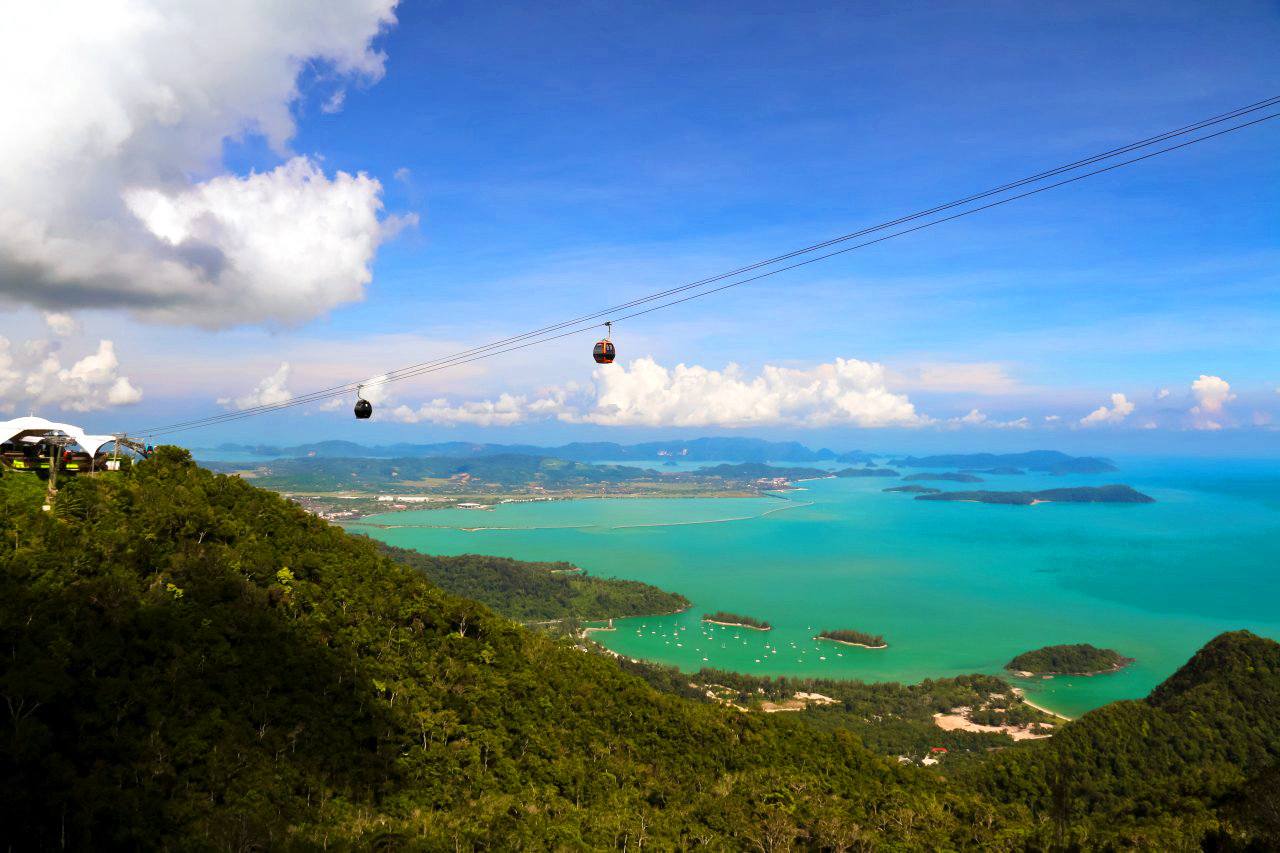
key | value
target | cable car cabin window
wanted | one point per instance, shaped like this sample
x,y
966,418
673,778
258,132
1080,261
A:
x,y
604,352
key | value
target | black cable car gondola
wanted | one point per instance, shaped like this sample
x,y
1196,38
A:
x,y
604,352
363,407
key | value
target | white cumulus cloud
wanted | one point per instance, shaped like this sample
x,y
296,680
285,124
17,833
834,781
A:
x,y
507,410
111,194
644,393
1120,409
846,391
35,377
1212,393
271,390
976,418
61,324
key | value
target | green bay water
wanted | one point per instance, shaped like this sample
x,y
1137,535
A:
x,y
954,587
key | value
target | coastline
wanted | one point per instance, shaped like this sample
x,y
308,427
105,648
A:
x,y
1021,694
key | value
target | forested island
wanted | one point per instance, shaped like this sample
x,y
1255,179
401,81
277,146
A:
x,y
953,476
854,638
736,620
1074,659
190,662
1082,494
914,490
1051,461
866,472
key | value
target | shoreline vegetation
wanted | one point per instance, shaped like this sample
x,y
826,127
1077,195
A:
x,y
1074,659
1082,494
736,620
849,637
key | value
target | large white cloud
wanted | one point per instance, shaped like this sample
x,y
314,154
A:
x,y
1212,393
34,375
116,114
644,393
846,391
1120,409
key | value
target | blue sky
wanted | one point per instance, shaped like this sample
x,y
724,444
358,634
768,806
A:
x,y
563,157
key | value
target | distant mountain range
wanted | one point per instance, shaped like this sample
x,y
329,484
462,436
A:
x,y
696,450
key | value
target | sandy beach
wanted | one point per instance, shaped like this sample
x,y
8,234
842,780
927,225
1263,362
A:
x,y
958,722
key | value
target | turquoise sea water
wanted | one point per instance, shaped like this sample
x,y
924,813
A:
x,y
954,587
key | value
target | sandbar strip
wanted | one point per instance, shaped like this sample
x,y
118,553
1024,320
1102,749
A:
x,y
848,643
736,625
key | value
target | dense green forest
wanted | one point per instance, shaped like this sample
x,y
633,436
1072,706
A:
x,y
726,618
848,635
1078,658
191,663
538,591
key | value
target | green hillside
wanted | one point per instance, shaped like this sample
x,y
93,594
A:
x,y
191,663
194,663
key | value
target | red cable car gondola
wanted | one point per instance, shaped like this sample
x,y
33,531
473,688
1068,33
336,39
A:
x,y
604,352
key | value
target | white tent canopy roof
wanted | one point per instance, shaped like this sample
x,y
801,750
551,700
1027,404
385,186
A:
x,y
12,430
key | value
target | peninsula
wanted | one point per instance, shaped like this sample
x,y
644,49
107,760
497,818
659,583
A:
x,y
1080,495
1073,659
848,637
734,620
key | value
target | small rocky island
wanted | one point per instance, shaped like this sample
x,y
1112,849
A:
x,y
914,490
849,637
735,620
1074,659
1079,495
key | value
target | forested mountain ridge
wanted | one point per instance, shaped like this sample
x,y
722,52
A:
x,y
191,663
1193,761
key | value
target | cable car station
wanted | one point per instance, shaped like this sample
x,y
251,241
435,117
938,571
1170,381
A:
x,y
44,447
